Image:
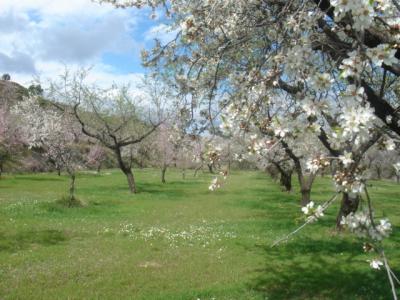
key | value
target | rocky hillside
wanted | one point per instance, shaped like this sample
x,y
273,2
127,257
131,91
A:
x,y
11,92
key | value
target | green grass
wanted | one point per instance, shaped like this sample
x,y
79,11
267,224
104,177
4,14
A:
x,y
180,241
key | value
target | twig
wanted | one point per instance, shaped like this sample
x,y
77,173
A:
x,y
394,276
389,271
309,220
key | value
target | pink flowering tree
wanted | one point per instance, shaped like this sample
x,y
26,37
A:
x,y
96,156
11,139
55,134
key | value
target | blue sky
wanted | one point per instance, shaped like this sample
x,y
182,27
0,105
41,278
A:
x,y
39,37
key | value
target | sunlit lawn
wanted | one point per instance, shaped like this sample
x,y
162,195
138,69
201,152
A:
x,y
180,241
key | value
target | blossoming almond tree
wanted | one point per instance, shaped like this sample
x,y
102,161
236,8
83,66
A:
x,y
54,133
165,147
96,156
113,117
11,140
335,63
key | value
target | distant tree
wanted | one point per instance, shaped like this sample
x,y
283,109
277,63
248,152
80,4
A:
x,y
6,77
96,156
167,142
35,90
55,134
11,140
113,117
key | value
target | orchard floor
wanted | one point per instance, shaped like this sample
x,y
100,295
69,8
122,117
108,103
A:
x,y
181,241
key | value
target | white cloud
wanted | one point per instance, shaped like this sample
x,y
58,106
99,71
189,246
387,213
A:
x,y
162,32
17,62
39,36
57,8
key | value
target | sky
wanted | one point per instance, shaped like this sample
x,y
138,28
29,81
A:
x,y
39,38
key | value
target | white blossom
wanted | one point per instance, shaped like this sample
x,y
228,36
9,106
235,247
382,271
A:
x,y
376,264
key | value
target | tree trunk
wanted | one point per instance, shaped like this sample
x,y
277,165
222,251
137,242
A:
x,y
349,205
229,157
286,181
58,171
183,174
196,170
305,188
305,184
126,170
210,168
131,181
98,168
163,171
72,189
1,169
305,196
378,172
397,178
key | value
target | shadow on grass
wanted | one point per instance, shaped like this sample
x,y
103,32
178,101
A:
x,y
311,269
25,239
37,178
163,190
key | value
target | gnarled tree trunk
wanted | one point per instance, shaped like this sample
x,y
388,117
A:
x,y
126,170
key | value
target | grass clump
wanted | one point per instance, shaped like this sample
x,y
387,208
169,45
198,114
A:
x,y
67,201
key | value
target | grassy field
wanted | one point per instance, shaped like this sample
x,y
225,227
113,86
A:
x,y
180,241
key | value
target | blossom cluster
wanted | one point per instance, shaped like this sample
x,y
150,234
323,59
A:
x,y
349,182
361,10
361,224
217,181
313,213
315,164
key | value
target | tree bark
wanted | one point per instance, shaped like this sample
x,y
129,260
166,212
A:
x,y
210,168
286,181
349,205
305,196
1,169
98,168
126,170
305,187
131,181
